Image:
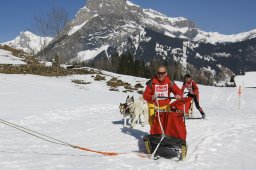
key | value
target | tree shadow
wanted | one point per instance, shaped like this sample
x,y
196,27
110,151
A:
x,y
137,134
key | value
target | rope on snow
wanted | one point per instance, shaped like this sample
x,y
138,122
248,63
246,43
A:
x,y
53,140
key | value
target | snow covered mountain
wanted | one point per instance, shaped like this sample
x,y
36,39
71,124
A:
x,y
174,27
106,27
215,37
28,42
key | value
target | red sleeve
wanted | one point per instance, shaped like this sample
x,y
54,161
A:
x,y
183,89
147,95
176,90
195,88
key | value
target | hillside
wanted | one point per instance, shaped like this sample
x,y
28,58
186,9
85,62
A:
x,y
6,57
14,61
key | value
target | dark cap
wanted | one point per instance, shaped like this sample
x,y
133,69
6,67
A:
x,y
187,75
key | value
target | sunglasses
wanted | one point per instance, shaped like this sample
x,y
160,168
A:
x,y
161,73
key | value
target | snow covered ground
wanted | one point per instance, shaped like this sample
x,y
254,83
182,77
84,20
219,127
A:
x,y
7,58
88,116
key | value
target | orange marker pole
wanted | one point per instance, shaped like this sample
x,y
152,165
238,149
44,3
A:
x,y
239,96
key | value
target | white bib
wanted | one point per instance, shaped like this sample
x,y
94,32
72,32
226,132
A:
x,y
161,91
190,88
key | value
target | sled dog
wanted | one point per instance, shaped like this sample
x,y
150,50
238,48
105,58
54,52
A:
x,y
124,110
137,109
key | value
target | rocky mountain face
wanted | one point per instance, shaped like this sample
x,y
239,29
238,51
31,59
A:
x,y
106,27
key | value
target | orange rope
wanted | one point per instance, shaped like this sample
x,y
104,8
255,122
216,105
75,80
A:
x,y
52,140
103,153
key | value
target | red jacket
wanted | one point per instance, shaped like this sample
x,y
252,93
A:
x,y
191,86
164,88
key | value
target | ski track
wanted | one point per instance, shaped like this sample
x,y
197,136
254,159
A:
x,y
215,143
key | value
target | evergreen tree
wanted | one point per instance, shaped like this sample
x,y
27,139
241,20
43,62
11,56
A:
x,y
115,61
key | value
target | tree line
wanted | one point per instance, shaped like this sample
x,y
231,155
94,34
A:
x,y
128,64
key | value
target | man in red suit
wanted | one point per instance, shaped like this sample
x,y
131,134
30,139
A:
x,y
193,92
160,86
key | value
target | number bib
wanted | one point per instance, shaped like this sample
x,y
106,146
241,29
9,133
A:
x,y
189,88
161,91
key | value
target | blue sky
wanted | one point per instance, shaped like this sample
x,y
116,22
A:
x,y
224,16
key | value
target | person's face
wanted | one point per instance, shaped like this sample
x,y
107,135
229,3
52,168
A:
x,y
161,73
187,79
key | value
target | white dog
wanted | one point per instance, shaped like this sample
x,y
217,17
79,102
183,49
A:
x,y
138,109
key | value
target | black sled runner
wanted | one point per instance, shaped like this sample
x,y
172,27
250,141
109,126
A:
x,y
169,147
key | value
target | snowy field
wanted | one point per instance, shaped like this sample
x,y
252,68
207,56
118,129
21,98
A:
x,y
88,116
7,58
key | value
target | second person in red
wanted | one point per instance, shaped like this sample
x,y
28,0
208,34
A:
x,y
193,92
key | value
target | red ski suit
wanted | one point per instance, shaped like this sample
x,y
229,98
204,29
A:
x,y
164,88
192,88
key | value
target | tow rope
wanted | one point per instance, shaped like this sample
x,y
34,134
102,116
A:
x,y
53,140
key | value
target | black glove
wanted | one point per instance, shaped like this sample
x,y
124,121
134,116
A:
x,y
192,95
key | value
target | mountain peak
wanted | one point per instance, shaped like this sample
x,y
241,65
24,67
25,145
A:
x,y
27,35
28,42
99,4
111,7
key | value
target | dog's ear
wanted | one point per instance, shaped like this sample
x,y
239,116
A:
x,y
132,98
127,98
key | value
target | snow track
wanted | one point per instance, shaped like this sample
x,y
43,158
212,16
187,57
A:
x,y
88,116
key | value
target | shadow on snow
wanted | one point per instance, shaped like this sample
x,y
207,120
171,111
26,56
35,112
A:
x,y
138,135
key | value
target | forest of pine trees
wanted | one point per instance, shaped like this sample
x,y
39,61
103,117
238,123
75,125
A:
x,y
128,65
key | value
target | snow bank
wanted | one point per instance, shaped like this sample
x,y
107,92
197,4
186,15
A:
x,y
247,80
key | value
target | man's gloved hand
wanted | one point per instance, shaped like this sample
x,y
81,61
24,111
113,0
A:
x,y
192,95
154,97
